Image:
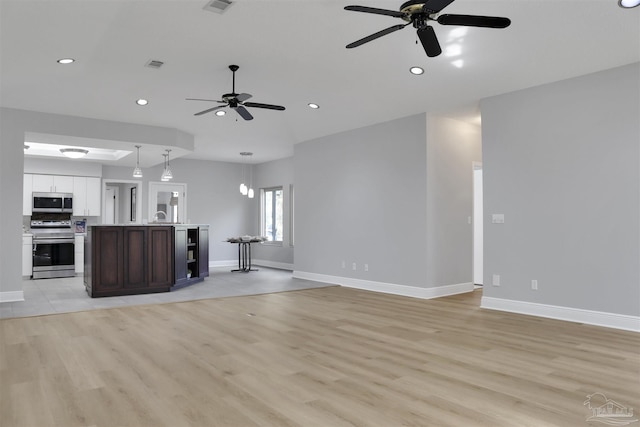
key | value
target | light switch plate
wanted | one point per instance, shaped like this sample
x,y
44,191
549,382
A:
x,y
497,218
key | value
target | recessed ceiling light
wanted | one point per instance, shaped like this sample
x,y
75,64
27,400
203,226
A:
x,y
628,4
66,61
220,113
142,102
74,153
416,70
314,106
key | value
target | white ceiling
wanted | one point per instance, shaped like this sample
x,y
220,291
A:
x,y
290,52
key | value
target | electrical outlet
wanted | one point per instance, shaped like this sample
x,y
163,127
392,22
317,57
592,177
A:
x,y
496,280
534,285
353,266
366,267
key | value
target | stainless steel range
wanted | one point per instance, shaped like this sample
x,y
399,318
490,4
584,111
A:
x,y
53,246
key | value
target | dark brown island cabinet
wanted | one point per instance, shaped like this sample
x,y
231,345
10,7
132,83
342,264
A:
x,y
139,259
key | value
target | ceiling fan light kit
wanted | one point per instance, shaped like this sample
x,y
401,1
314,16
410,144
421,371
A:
x,y
419,13
236,101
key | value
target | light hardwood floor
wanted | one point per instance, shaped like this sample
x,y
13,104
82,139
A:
x,y
322,357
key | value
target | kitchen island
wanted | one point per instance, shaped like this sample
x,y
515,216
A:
x,y
139,259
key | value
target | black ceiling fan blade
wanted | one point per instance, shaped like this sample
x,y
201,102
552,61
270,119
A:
x,y
474,21
267,106
209,100
375,36
244,113
209,110
375,10
429,41
435,6
243,97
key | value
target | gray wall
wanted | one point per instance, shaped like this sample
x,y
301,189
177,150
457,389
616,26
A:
x,y
562,162
361,197
452,148
212,198
396,196
278,173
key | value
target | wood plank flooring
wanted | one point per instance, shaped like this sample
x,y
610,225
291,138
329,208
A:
x,y
326,357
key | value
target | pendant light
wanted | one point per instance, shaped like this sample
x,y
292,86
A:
x,y
244,190
167,175
250,191
163,177
137,172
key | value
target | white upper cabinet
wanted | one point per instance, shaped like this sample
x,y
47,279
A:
x,y
86,196
85,189
52,183
27,189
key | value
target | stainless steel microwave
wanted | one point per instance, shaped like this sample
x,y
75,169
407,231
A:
x,y
52,202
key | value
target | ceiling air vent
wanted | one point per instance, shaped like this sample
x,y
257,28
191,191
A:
x,y
154,64
217,6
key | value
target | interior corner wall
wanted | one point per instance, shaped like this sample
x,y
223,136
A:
x,y
361,199
452,148
277,173
562,163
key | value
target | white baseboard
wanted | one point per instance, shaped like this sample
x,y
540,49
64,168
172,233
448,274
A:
x,y
11,296
598,318
233,263
223,263
273,264
388,288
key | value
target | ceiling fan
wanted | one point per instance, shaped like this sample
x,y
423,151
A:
x,y
236,101
419,13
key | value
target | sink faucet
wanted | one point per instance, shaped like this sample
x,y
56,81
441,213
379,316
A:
x,y
155,216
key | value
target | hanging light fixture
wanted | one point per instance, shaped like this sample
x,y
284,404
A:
x,y
163,177
244,190
250,191
167,175
137,172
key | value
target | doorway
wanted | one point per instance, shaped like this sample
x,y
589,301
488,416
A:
x,y
112,204
478,225
125,208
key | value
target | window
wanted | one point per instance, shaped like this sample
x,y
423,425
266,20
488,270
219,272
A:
x,y
272,209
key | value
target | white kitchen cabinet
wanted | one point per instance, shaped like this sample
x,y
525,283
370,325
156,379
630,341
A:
x,y
52,183
27,189
27,255
79,253
86,196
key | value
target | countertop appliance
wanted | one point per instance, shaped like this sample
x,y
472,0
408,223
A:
x,y
53,246
52,203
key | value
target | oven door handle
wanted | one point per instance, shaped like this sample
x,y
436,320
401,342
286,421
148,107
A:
x,y
49,241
